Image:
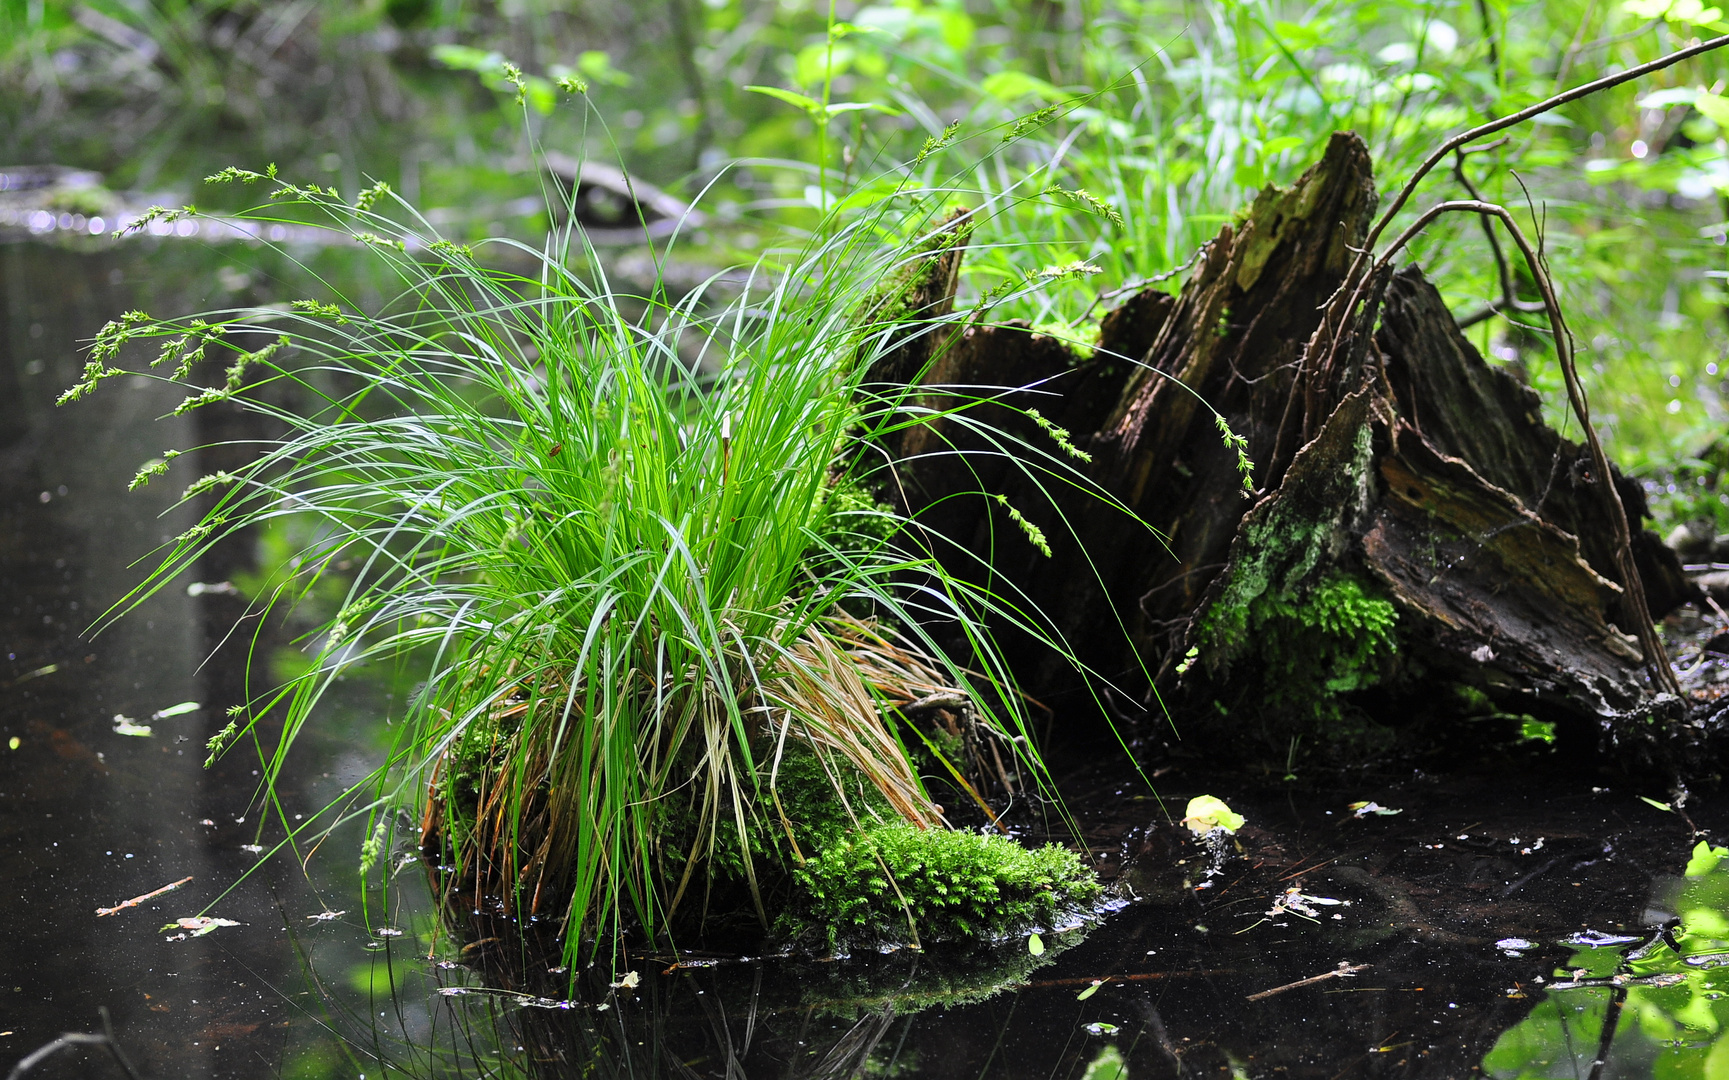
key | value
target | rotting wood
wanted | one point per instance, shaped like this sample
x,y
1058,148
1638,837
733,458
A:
x,y
1383,445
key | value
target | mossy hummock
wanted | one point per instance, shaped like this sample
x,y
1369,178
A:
x,y
895,885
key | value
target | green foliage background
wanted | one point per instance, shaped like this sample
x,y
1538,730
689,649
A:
x,y
1167,114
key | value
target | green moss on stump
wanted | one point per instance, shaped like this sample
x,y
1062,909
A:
x,y
866,890
1330,641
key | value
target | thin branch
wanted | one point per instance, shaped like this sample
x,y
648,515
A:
x,y
1345,970
1509,300
1548,105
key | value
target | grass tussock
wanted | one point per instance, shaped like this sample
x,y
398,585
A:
x,y
625,539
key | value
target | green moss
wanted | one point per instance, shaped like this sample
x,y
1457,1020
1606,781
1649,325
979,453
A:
x,y
870,888
1331,641
1309,645
1290,631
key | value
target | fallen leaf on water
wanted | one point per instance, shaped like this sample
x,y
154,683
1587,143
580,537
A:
x,y
1036,945
176,710
1663,806
1090,991
199,925
1362,809
1208,812
124,725
629,981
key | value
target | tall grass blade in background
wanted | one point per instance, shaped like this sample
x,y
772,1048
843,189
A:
x,y
623,536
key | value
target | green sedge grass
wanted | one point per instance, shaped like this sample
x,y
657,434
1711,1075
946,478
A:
x,y
620,567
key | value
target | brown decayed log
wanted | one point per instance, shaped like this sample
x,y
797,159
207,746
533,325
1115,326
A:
x,y
1430,474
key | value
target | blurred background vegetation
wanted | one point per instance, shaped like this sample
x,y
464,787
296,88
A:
x,y
1169,114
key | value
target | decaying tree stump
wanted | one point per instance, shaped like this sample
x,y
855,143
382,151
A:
x,y
1396,477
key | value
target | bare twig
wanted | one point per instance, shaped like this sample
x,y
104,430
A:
x,y
1353,287
1611,1023
1547,105
1345,970
1509,295
136,900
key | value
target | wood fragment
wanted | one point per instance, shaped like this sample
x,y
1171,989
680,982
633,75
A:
x,y
136,900
1345,970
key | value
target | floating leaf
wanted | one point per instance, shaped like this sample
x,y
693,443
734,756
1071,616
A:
x,y
1207,812
1663,806
1362,809
1036,945
124,725
176,710
1090,991
198,925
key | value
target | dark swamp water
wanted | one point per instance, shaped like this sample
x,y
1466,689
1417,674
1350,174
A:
x,y
1497,925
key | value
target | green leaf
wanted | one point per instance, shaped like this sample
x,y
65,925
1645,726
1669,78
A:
x,y
1298,35
1036,945
1090,991
1663,806
791,97
860,106
466,58
598,67
1207,812
1715,107
1533,730
1705,859
176,710
1674,95
1015,85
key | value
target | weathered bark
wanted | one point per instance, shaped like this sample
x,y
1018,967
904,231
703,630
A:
x,y
1429,475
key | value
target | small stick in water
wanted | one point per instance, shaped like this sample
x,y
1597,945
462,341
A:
x,y
136,900
1344,970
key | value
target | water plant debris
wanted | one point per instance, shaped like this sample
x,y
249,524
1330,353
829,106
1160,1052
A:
x,y
1345,970
197,926
136,900
125,725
